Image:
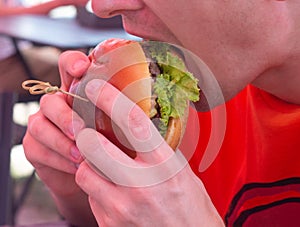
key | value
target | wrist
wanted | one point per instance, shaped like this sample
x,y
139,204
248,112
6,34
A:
x,y
75,209
63,2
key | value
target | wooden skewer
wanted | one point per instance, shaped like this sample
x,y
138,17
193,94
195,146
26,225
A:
x,y
37,87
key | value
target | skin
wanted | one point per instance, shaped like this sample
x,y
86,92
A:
x,y
242,42
226,38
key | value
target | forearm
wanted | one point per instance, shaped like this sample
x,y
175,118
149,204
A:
x,y
43,8
75,209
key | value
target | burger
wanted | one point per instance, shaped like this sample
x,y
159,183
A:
x,y
151,74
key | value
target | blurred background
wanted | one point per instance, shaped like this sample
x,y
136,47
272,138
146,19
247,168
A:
x,y
64,11
37,206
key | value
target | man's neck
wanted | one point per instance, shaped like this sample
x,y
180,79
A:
x,y
282,81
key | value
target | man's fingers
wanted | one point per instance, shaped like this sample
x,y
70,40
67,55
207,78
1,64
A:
x,y
51,137
43,156
134,123
108,159
67,120
72,64
115,165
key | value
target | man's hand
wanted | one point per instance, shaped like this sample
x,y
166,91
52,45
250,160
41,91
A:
x,y
157,188
49,144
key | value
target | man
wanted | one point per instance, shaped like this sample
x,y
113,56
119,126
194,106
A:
x,y
252,49
41,60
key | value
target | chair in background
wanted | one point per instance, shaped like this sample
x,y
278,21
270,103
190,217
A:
x,y
6,132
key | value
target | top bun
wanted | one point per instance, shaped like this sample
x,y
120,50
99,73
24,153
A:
x,y
128,69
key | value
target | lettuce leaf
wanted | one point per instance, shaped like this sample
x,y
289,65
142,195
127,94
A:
x,y
174,87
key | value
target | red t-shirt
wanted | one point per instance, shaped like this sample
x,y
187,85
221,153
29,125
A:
x,y
255,177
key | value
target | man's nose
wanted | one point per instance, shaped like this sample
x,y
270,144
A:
x,y
109,8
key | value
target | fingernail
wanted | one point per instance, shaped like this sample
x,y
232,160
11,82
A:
x,y
76,126
94,86
75,153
